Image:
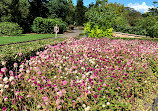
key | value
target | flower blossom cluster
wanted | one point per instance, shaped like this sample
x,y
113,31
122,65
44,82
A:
x,y
86,74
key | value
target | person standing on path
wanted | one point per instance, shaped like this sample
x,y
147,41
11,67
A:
x,y
56,30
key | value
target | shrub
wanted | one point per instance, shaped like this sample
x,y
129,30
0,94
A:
x,y
95,31
71,27
43,25
10,29
130,30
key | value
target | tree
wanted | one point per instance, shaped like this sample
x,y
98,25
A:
x,y
61,9
5,11
16,11
154,10
38,8
80,12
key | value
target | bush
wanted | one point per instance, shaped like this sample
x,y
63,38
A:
x,y
95,31
43,25
10,29
71,27
130,30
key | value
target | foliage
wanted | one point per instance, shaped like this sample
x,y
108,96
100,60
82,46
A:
x,y
149,25
86,74
16,11
80,13
97,32
38,8
10,29
62,9
101,16
100,21
43,25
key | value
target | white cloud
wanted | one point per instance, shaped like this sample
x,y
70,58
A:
x,y
139,7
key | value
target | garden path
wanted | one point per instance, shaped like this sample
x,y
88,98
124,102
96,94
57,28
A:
x,y
72,33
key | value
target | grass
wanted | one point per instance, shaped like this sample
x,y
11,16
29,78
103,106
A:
x,y
23,38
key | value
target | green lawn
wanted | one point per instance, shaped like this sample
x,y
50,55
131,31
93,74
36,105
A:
x,y
24,37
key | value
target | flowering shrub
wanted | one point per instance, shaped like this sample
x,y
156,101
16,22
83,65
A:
x,y
86,74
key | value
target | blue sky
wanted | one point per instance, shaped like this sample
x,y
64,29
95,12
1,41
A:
x,y
139,5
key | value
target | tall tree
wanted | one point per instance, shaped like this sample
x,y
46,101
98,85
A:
x,y
38,8
154,10
61,9
80,12
15,11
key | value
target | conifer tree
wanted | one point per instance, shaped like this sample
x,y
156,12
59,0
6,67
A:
x,y
80,12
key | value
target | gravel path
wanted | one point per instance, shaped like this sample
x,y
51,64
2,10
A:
x,y
72,33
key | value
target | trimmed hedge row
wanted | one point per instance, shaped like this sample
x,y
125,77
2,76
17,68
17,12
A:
x,y
12,53
10,29
130,30
43,25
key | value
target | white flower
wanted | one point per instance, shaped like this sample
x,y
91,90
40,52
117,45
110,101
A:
x,y
44,81
6,99
3,63
145,81
11,78
28,96
5,79
87,108
6,86
55,77
89,87
108,103
1,86
39,106
103,105
27,71
1,90
84,105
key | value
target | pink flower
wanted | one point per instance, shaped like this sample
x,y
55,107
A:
x,y
64,82
45,99
59,71
39,72
63,90
20,54
59,106
57,101
59,93
95,96
56,89
4,69
4,108
15,65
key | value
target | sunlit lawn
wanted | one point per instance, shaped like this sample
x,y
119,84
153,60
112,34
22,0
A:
x,y
24,37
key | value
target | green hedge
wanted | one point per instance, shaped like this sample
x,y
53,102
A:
x,y
43,25
10,29
130,30
10,53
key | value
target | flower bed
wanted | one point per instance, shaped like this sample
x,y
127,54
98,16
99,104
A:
x,y
86,74
10,53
